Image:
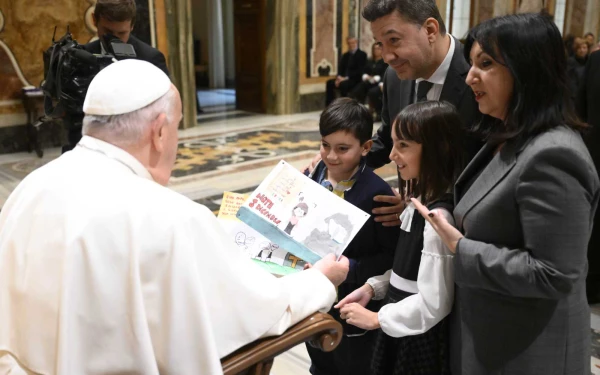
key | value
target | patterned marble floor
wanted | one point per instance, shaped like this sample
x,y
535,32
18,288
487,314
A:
x,y
234,152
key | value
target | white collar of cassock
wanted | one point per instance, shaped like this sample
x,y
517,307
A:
x,y
115,153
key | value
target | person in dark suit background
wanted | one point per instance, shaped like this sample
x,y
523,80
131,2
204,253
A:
x,y
117,18
425,63
589,111
350,70
371,78
576,65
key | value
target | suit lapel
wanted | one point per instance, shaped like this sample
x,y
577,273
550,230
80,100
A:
x,y
455,85
406,93
491,175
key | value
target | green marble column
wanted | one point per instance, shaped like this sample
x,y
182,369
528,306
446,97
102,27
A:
x,y
181,55
283,96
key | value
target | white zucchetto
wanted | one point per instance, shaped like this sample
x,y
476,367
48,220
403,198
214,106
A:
x,y
125,86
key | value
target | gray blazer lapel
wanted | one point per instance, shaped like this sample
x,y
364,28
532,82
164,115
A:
x,y
491,175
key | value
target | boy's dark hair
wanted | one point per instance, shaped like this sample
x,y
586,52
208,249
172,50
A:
x,y
438,128
414,11
541,98
115,10
347,115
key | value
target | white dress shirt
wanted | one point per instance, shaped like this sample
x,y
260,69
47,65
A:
x,y
434,288
438,78
104,271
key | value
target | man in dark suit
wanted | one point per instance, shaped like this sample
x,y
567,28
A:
x,y
589,111
350,71
117,18
425,63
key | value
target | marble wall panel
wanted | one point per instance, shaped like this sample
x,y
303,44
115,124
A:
x,y
323,26
29,25
365,35
530,6
486,11
323,44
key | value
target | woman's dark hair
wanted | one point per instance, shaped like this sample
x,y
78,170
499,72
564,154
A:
x,y
414,11
531,47
347,115
438,128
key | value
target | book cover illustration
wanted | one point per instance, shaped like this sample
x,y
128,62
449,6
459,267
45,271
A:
x,y
261,250
301,216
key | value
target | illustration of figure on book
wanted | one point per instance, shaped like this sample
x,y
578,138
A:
x,y
266,250
298,212
333,237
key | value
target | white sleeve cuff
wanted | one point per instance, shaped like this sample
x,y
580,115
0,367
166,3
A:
x,y
380,285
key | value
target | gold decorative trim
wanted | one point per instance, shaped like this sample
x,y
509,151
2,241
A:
x,y
1,21
88,18
15,64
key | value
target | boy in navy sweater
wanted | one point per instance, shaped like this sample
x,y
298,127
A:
x,y
346,128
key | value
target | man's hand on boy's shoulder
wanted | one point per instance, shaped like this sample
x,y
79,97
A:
x,y
389,215
313,164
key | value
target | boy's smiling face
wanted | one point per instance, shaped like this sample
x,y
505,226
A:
x,y
341,152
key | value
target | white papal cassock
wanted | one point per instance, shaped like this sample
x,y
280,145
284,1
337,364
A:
x,y
104,271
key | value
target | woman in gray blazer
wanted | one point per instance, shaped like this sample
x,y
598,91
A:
x,y
524,211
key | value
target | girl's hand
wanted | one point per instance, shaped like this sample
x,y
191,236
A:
x,y
360,317
444,229
362,296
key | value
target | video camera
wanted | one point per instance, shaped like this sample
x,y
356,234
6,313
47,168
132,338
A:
x,y
69,70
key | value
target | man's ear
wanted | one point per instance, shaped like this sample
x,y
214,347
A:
x,y
432,27
158,132
366,147
94,20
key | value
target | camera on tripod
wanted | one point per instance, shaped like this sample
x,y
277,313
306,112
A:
x,y
69,70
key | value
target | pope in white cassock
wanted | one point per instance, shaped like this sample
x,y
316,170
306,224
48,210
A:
x,y
104,270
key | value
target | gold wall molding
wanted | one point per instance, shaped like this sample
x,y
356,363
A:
x,y
15,64
89,20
